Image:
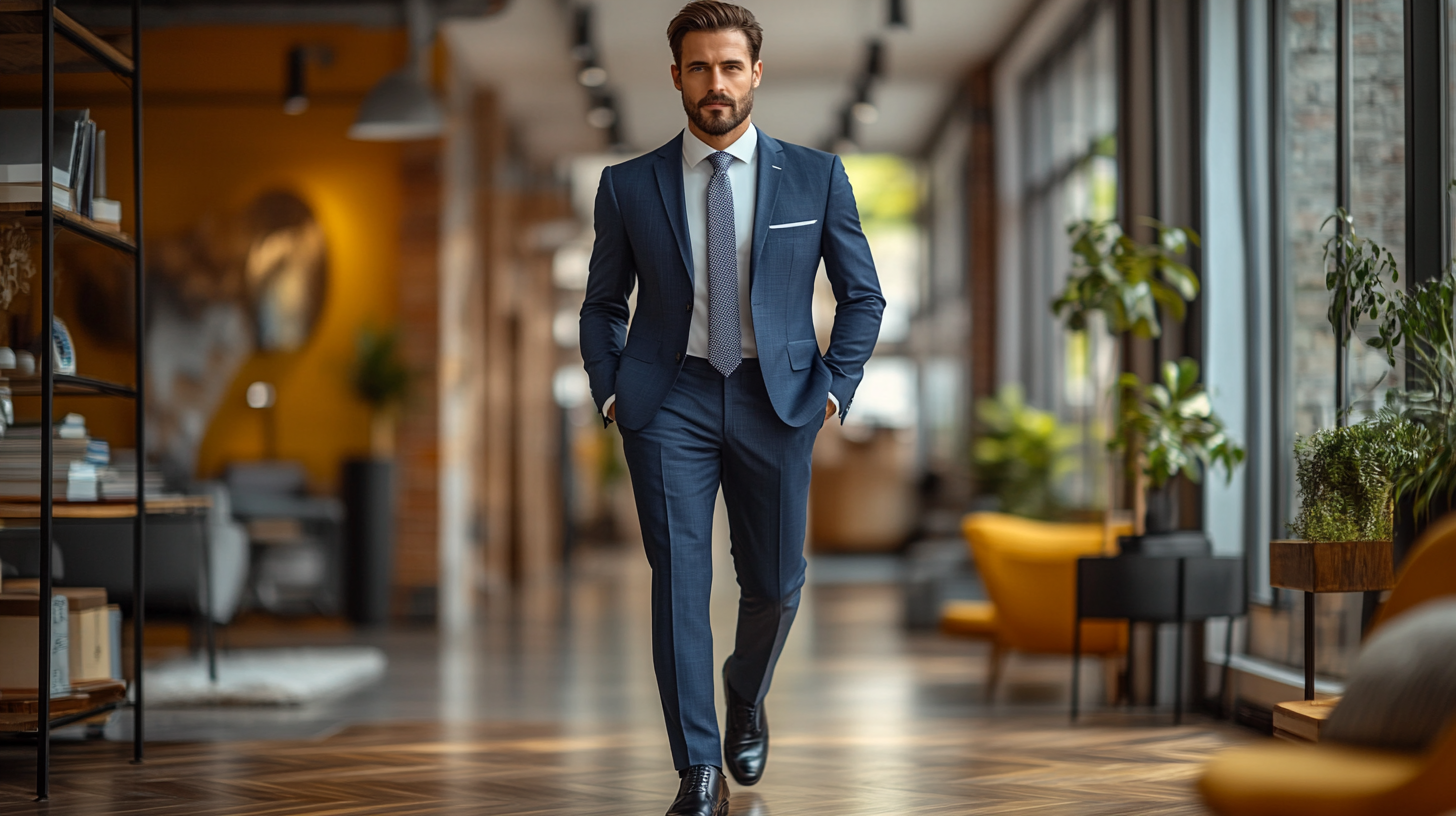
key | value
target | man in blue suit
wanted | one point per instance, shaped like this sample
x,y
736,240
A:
x,y
719,382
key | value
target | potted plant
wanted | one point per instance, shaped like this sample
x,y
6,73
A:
x,y
1346,477
381,379
1170,430
1414,327
1020,452
1163,429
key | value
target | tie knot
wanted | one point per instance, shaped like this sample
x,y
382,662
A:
x,y
720,161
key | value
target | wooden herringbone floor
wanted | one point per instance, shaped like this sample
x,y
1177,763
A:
x,y
550,710
1001,766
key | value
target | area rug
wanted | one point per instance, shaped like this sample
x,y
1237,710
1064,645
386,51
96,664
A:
x,y
265,677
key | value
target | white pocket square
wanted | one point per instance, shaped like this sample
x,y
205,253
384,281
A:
x,y
794,224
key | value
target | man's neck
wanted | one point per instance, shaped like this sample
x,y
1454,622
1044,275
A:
x,y
720,142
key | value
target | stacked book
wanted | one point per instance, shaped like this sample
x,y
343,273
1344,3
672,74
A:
x,y
78,154
80,463
118,480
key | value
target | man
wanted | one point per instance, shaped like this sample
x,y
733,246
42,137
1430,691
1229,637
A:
x,y
720,382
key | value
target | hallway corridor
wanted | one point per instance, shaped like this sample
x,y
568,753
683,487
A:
x,y
550,708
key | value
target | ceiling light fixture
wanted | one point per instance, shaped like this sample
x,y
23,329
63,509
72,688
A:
x,y
295,96
896,17
592,76
581,44
295,91
402,107
603,113
874,59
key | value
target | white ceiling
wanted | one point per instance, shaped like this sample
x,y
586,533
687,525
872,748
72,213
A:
x,y
812,52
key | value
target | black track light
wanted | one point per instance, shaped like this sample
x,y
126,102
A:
x,y
295,95
874,59
896,17
581,44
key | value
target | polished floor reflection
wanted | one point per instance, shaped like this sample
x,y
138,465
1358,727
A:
x,y
549,707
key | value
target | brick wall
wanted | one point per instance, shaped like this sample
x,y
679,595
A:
x,y
418,524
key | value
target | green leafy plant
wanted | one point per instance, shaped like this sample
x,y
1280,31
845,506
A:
x,y
1173,425
1356,269
1020,453
1126,280
380,376
1347,476
381,379
1413,327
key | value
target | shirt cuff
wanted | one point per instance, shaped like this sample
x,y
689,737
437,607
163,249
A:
x,y
612,400
834,400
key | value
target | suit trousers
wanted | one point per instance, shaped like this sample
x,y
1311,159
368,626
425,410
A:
x,y
713,431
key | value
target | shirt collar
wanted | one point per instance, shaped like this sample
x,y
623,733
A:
x,y
695,150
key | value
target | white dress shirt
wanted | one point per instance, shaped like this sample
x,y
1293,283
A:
x,y
743,177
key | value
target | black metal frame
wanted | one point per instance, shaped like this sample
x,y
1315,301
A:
x,y
51,220
1152,589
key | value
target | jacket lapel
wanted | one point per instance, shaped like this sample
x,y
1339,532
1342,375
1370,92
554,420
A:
x,y
670,185
770,160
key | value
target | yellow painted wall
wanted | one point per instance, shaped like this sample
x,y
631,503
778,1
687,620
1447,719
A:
x,y
216,137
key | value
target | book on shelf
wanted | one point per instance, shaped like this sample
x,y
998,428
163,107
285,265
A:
x,y
20,145
32,194
117,481
76,161
79,463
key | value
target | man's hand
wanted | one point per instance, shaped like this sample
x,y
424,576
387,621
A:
x,y
612,412
828,409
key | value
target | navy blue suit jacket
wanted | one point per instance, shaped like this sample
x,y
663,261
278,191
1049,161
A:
x,y
642,240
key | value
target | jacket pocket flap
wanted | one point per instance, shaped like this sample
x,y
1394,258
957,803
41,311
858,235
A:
x,y
802,354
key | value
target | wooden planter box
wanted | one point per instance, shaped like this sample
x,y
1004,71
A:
x,y
1332,566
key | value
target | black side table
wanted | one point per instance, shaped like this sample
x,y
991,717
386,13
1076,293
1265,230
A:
x,y
1157,589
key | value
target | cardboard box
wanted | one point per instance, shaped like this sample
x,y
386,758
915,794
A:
x,y
89,629
20,639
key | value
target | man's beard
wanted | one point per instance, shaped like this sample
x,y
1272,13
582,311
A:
x,y
715,123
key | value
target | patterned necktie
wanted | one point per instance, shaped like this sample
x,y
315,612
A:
x,y
725,332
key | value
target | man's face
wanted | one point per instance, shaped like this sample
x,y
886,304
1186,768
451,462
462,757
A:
x,y
717,79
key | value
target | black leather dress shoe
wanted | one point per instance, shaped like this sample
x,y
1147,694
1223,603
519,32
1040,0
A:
x,y
745,745
702,792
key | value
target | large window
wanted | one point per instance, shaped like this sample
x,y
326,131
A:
x,y
1068,119
1322,115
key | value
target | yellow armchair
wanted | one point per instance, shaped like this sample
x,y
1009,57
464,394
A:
x,y
1283,779
1331,780
1029,569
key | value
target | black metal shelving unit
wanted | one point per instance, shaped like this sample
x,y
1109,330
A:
x,y
100,57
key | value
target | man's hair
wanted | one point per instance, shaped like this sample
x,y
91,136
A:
x,y
713,15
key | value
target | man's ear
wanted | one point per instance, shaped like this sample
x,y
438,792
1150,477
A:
x,y
676,76
757,73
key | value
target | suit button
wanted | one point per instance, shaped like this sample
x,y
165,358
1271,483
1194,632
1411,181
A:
x,y
679,356
688,308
